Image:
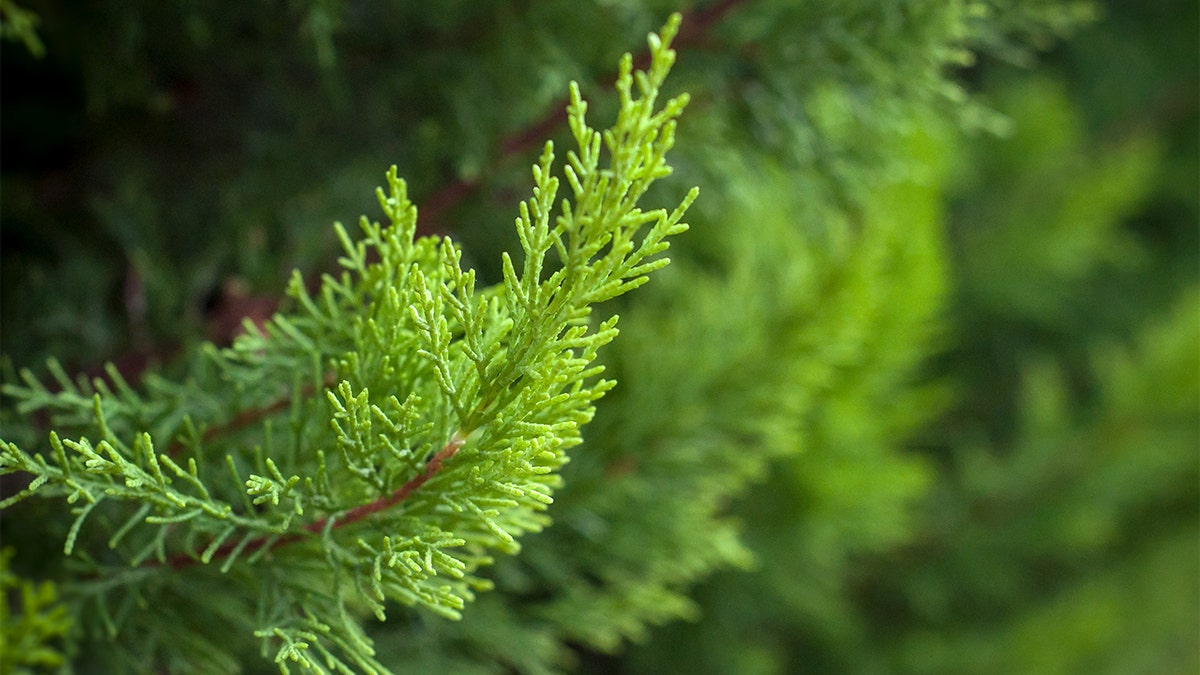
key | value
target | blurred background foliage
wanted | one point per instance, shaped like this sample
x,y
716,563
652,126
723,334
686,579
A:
x,y
920,392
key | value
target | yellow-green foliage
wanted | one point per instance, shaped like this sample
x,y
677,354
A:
x,y
422,427
32,622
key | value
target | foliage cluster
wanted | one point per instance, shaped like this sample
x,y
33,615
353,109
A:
x,y
918,392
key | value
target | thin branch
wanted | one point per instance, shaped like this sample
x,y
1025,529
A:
x,y
252,416
359,512
432,467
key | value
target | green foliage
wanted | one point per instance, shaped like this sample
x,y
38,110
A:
x,y
31,622
842,488
917,393
1075,205
17,23
1068,494
440,442
211,149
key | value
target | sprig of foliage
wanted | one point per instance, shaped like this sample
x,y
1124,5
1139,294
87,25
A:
x,y
31,619
18,23
380,442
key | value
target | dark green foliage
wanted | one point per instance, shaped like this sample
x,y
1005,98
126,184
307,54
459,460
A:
x,y
920,391
1059,531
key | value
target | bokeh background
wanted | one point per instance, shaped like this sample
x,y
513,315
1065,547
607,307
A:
x,y
920,392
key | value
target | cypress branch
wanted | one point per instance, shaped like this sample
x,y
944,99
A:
x,y
328,506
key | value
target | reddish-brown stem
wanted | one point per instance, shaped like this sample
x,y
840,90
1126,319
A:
x,y
250,417
182,560
400,494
